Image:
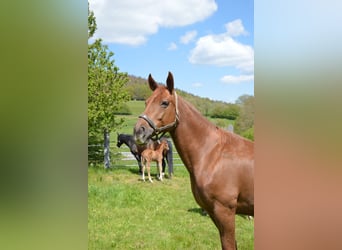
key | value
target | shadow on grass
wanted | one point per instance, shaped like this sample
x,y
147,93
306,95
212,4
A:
x,y
202,212
198,210
134,170
246,217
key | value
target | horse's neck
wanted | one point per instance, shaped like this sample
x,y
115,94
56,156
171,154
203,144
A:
x,y
160,149
129,141
191,134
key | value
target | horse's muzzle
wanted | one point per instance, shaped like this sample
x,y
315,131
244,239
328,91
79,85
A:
x,y
142,132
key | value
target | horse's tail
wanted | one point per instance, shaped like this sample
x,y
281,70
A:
x,y
169,158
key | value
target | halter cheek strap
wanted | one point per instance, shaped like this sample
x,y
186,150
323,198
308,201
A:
x,y
162,130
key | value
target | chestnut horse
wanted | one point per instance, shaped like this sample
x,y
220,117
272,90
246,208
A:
x,y
156,155
220,163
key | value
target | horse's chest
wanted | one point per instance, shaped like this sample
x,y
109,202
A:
x,y
199,189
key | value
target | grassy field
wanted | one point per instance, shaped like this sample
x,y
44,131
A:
x,y
126,213
137,108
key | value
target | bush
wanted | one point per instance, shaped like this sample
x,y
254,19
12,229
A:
x,y
124,110
223,110
249,133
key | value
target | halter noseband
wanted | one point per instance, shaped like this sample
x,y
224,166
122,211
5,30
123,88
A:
x,y
162,130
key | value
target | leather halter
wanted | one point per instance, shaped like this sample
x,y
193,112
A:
x,y
162,130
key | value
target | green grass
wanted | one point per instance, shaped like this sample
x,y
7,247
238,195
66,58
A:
x,y
136,108
126,213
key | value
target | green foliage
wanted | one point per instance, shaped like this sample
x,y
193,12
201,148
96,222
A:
x,y
91,23
105,88
106,93
249,133
138,88
224,110
245,121
221,122
124,110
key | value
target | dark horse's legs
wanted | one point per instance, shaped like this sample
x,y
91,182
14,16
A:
x,y
138,158
169,158
163,165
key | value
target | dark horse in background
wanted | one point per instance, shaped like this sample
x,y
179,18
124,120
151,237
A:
x,y
220,163
137,149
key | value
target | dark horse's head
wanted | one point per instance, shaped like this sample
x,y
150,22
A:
x,y
120,142
161,111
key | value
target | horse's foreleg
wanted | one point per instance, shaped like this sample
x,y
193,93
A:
x,y
224,219
143,169
149,171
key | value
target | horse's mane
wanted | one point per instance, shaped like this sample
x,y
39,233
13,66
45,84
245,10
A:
x,y
201,119
226,137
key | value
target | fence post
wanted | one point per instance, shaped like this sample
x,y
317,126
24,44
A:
x,y
106,150
230,128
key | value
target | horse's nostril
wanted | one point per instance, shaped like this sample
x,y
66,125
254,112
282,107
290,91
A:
x,y
142,129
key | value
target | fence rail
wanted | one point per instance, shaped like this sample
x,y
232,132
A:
x,y
123,155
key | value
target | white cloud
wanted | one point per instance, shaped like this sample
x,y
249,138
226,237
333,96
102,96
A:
x,y
223,50
188,37
131,22
235,28
172,46
229,79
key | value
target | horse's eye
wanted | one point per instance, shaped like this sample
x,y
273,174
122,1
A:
x,y
164,104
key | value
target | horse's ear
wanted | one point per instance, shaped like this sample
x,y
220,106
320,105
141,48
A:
x,y
169,82
152,83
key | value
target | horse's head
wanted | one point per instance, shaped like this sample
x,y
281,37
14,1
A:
x,y
119,141
161,111
165,145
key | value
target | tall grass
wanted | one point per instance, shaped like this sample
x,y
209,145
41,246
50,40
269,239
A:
x,y
126,213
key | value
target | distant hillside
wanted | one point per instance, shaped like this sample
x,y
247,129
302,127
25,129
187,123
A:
x,y
139,90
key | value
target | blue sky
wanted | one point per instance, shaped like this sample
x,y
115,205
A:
x,y
207,45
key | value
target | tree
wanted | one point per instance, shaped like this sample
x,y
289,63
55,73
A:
x,y
106,93
138,91
224,110
244,124
91,23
